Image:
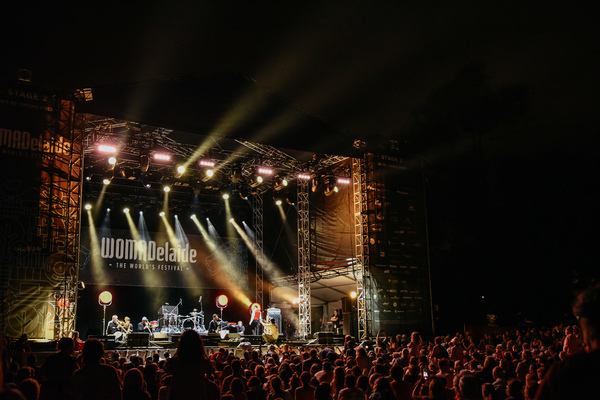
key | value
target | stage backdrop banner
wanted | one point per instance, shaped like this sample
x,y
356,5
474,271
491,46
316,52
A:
x,y
156,260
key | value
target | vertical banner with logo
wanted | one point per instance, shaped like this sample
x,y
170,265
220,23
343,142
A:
x,y
40,182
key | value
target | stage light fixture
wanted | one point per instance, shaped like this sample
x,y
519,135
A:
x,y
126,210
144,163
108,210
353,295
106,181
303,176
225,196
236,174
112,160
207,175
162,214
231,220
193,216
88,206
88,178
265,171
162,157
280,183
63,303
343,181
316,184
278,202
256,180
106,148
167,189
207,163
105,298
179,171
222,301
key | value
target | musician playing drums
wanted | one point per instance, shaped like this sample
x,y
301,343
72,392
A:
x,y
271,331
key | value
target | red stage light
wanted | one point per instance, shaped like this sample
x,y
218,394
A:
x,y
63,303
222,301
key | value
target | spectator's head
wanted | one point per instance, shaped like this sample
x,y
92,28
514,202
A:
x,y
190,346
514,388
350,380
469,387
437,387
92,352
323,392
30,389
65,345
133,380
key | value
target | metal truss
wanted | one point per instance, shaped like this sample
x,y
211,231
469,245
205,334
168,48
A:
x,y
257,220
60,201
361,245
304,260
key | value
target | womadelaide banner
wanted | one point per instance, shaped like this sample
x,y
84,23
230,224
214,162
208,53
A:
x,y
116,258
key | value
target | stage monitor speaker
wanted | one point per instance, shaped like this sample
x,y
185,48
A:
x,y
108,341
233,336
346,304
138,339
254,340
161,336
324,337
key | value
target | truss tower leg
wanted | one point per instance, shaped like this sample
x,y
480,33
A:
x,y
303,260
257,219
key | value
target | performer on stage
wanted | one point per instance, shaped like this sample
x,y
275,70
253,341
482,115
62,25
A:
x,y
337,320
144,326
113,326
127,326
255,316
241,328
214,324
271,331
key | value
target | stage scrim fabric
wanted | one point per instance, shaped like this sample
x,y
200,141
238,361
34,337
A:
x,y
115,258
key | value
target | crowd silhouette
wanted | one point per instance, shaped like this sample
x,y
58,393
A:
x,y
562,362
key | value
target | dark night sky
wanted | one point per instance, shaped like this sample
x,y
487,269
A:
x,y
365,68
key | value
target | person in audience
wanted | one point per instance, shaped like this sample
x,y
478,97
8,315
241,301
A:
x,y
578,375
95,380
190,364
133,386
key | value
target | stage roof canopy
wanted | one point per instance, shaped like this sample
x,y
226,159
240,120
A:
x,y
228,105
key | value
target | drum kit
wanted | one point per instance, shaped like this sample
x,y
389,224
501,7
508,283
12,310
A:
x,y
173,322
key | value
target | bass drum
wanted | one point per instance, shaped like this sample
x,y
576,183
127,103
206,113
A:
x,y
188,323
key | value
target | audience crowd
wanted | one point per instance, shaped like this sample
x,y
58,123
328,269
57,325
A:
x,y
561,362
